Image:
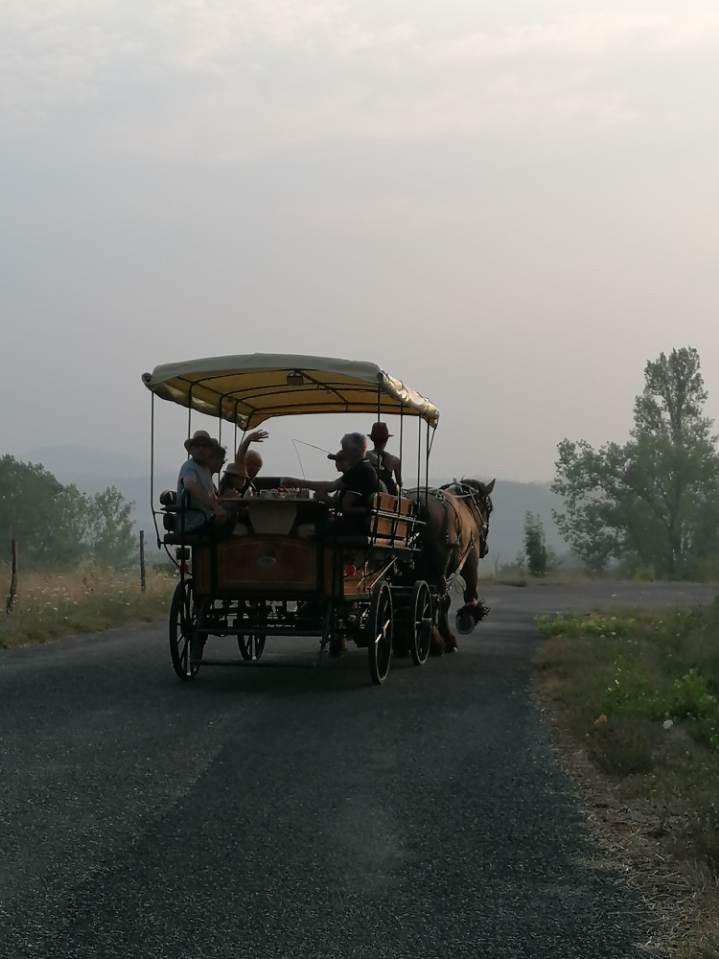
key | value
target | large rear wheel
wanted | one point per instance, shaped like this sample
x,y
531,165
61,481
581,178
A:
x,y
421,612
182,624
380,627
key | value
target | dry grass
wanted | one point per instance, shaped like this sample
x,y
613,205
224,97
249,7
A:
x,y
51,605
633,704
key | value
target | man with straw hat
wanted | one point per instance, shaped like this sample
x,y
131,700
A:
x,y
199,510
388,466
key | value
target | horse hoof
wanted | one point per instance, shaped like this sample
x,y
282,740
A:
x,y
436,646
338,647
465,620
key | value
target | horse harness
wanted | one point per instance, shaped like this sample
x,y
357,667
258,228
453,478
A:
x,y
462,491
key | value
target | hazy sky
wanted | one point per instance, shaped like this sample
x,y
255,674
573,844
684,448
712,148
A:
x,y
511,205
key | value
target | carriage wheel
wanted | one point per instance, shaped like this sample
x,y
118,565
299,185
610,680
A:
x,y
380,626
182,622
251,646
421,611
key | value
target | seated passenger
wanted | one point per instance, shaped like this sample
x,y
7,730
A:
x,y
198,508
235,481
387,465
357,484
238,477
249,461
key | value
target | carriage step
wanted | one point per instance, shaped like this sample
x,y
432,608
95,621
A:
x,y
262,663
257,628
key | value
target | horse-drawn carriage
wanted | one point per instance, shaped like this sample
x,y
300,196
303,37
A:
x,y
290,566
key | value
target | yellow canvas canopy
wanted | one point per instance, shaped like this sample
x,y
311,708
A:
x,y
247,390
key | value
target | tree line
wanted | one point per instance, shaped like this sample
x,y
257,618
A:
x,y
59,526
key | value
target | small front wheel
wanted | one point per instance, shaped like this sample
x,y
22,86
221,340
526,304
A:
x,y
251,646
182,625
420,637
380,627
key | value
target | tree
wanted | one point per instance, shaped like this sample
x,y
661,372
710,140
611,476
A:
x,y
40,513
111,529
535,545
655,499
58,525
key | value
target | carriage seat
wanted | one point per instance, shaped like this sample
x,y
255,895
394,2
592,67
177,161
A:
x,y
170,508
168,500
389,522
185,539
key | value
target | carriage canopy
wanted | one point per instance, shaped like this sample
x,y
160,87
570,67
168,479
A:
x,y
247,390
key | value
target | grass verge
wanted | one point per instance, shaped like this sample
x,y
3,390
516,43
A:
x,y
51,605
639,695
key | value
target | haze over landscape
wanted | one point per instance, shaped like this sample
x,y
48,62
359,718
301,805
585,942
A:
x,y
509,207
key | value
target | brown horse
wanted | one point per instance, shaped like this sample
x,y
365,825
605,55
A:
x,y
454,541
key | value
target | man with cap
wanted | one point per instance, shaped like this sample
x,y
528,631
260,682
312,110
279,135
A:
x,y
388,466
199,509
357,484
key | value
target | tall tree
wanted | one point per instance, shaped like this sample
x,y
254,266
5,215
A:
x,y
535,545
59,526
656,497
111,529
40,513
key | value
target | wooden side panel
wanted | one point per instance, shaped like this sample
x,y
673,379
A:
x,y
384,526
201,569
391,504
259,563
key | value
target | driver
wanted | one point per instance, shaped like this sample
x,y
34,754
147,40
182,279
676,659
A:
x,y
387,464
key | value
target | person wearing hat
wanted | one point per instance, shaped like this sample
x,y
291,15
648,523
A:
x,y
199,509
235,481
250,461
238,476
357,484
388,466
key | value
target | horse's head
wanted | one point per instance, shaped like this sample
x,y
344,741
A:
x,y
482,499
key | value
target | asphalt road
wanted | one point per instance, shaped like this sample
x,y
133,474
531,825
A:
x,y
299,812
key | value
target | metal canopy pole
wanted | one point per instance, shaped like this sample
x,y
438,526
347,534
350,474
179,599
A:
x,y
379,417
189,415
401,442
152,468
419,455
426,469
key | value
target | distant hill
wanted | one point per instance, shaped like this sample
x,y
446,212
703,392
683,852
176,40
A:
x,y
92,470
512,500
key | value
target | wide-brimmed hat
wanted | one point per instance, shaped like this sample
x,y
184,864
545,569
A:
x,y
200,437
380,431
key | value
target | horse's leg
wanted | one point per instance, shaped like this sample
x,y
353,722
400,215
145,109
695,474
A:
x,y
470,574
442,639
450,640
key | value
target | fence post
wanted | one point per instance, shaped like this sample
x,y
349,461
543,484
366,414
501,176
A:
x,y
143,580
10,601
